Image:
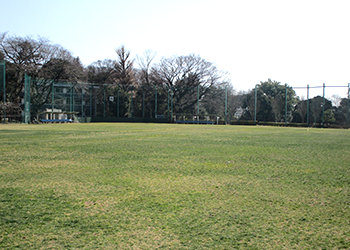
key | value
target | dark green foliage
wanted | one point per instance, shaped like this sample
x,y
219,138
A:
x,y
271,97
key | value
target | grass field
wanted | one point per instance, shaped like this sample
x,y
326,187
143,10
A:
x,y
149,186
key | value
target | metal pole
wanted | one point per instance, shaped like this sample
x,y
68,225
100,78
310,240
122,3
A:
x,y
143,102
82,101
27,81
172,94
286,106
52,97
255,103
347,120
197,102
131,101
155,102
90,101
104,101
118,103
226,104
308,107
4,88
168,102
95,102
323,105
71,100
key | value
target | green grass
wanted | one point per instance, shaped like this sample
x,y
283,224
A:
x,y
149,186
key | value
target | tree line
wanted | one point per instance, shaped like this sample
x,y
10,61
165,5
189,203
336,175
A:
x,y
190,80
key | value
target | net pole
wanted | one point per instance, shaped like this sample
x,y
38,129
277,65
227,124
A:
x,y
143,102
226,104
347,120
308,107
4,88
118,102
168,102
53,98
91,101
131,108
155,102
198,102
27,81
104,101
286,106
323,104
82,102
172,95
73,99
255,103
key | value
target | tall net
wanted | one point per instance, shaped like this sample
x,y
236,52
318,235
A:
x,y
84,102
198,104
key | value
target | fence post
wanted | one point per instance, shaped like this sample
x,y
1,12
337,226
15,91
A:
x,y
104,101
82,102
198,102
131,107
118,103
73,99
255,103
91,100
4,87
308,107
27,81
168,102
155,102
143,101
172,94
323,105
286,106
53,97
226,104
347,120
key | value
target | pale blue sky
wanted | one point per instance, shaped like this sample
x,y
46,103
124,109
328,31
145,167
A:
x,y
297,42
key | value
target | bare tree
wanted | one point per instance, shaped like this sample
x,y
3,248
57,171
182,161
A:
x,y
335,99
185,76
145,63
27,55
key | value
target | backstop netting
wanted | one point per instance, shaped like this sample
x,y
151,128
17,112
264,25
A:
x,y
85,102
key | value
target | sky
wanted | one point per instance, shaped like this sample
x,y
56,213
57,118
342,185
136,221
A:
x,y
295,42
